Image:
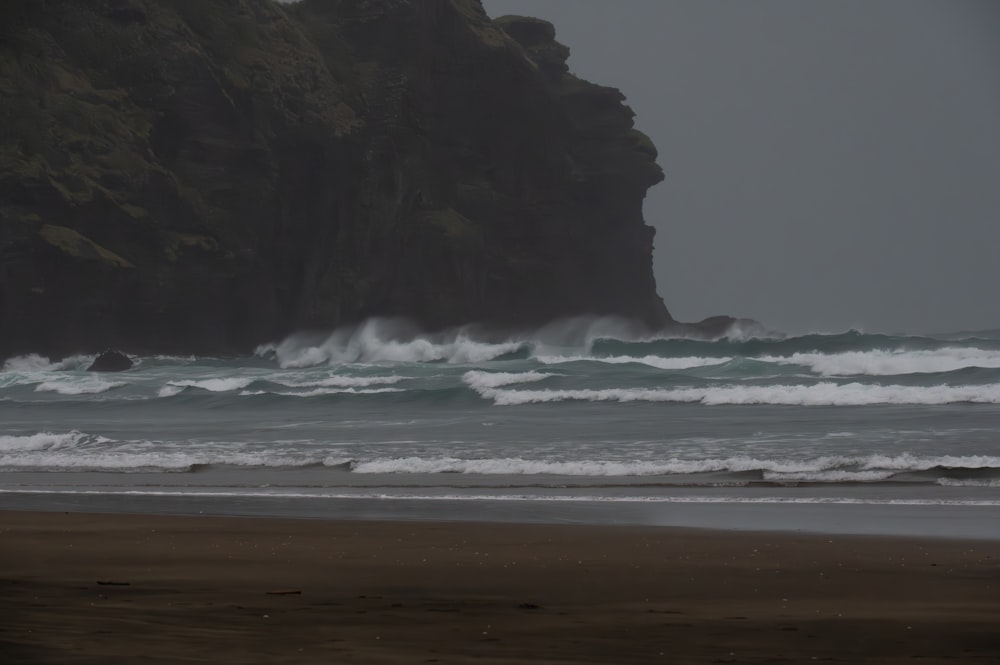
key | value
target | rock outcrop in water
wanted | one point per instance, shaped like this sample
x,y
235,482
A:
x,y
204,175
111,361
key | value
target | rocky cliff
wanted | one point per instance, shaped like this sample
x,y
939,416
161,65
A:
x,y
203,175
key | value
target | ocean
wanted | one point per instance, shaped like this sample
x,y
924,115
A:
x,y
577,421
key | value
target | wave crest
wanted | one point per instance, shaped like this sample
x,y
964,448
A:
x,y
892,362
832,468
47,441
384,341
479,380
78,386
36,363
820,394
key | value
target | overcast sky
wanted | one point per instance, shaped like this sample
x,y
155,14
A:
x,y
829,164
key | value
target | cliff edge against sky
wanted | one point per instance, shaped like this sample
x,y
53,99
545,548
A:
x,y
204,175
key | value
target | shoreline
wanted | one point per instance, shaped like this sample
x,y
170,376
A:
x,y
695,510
98,587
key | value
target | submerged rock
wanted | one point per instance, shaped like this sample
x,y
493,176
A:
x,y
111,361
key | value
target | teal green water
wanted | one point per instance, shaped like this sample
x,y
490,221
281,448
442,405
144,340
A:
x,y
567,412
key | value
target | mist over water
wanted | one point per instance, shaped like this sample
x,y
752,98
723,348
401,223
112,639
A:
x,y
581,410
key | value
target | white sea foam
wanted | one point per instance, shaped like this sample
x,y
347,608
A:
x,y
831,468
78,386
115,461
45,441
508,466
519,466
887,363
659,362
180,360
35,369
820,394
214,385
837,476
907,461
372,350
967,482
122,461
170,391
318,392
77,451
560,498
382,341
36,363
81,452
388,340
480,380
340,381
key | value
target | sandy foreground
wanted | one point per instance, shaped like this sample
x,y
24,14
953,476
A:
x,y
86,588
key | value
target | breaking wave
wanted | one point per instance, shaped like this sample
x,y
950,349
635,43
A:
x,y
214,385
77,451
818,394
47,441
826,468
892,362
32,363
589,407
598,360
479,380
88,386
651,360
385,341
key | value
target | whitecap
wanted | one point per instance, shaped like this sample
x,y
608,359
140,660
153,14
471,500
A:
x,y
213,385
123,461
836,476
385,340
479,380
891,362
829,468
45,441
968,482
70,386
659,362
170,391
36,363
318,392
820,394
340,381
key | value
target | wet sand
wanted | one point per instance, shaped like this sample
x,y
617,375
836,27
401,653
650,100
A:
x,y
96,588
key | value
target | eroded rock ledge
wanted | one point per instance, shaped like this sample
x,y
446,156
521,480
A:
x,y
200,176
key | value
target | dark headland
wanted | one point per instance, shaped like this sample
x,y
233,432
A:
x,y
201,176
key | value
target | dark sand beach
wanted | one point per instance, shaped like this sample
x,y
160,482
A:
x,y
95,588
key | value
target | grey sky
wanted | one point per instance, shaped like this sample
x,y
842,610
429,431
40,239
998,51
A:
x,y
829,164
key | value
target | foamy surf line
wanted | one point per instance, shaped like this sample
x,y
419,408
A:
x,y
891,362
80,452
658,362
78,387
379,341
572,498
972,518
820,394
901,463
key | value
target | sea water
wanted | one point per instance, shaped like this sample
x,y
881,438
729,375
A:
x,y
582,413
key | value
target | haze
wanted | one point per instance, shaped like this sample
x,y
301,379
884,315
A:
x,y
829,165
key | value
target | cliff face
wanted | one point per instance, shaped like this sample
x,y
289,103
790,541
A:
x,y
204,175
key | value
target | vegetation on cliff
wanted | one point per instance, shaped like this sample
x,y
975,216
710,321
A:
x,y
204,175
